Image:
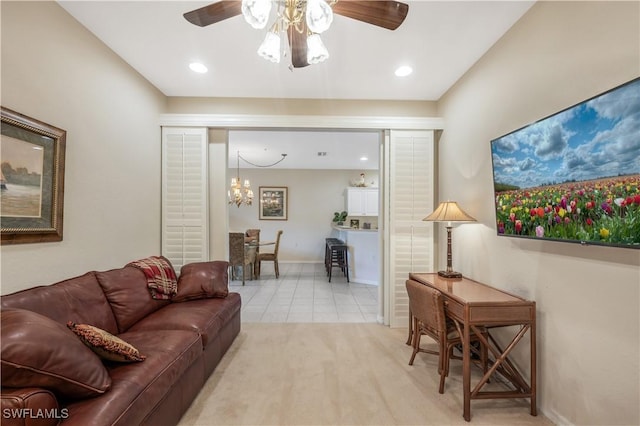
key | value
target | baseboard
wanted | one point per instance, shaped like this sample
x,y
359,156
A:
x,y
556,418
357,280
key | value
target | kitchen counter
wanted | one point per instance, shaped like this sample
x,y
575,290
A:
x,y
347,229
364,266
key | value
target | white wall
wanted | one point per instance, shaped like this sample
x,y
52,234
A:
x,y
557,55
314,195
291,107
55,71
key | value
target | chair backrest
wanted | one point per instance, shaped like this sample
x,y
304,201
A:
x,y
255,235
236,248
275,250
427,305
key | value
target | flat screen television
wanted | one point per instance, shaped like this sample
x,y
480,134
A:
x,y
573,176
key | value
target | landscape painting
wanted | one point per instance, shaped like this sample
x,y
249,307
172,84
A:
x,y
573,176
21,178
31,179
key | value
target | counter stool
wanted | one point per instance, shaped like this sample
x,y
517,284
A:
x,y
338,258
327,252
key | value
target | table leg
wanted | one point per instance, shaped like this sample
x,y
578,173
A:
x,y
466,370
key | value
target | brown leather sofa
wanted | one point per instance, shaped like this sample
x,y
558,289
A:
x,y
47,378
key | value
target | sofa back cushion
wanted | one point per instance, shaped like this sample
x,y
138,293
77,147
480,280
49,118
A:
x,y
127,291
40,352
78,299
199,280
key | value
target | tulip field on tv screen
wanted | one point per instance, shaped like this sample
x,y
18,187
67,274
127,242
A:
x,y
574,176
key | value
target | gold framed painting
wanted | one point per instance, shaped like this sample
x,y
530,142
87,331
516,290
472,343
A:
x,y
274,201
31,179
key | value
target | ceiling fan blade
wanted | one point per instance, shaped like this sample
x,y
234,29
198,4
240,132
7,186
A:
x,y
214,12
385,14
298,43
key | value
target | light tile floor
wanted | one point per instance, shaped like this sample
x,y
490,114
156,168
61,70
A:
x,y
303,293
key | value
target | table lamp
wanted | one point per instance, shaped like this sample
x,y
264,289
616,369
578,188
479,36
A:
x,y
449,211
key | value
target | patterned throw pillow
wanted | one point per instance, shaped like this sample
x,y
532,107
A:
x,y
106,345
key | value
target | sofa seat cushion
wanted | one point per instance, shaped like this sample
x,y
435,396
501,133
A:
x,y
136,388
204,316
129,296
78,299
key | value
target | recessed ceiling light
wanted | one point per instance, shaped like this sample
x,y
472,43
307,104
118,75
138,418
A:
x,y
364,158
404,71
198,67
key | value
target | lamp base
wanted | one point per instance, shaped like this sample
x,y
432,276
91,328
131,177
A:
x,y
451,274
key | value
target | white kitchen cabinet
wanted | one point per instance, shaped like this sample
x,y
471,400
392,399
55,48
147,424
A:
x,y
362,201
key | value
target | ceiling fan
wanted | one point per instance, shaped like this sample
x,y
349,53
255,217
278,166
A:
x,y
293,17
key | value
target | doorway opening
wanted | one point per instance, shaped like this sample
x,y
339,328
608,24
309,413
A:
x,y
321,165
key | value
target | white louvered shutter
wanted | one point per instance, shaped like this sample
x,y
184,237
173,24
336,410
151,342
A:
x,y
411,191
184,196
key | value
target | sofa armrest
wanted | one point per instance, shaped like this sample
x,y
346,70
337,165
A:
x,y
30,407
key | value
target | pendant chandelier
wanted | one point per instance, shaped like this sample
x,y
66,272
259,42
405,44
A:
x,y
308,17
241,193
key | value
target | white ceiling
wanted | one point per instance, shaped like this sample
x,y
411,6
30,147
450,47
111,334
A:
x,y
440,40
343,150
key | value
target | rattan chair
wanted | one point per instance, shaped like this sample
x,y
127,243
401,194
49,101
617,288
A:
x,y
239,256
427,309
253,236
270,257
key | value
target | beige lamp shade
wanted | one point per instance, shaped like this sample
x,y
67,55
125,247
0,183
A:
x,y
449,211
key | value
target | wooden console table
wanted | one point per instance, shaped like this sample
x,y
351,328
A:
x,y
472,304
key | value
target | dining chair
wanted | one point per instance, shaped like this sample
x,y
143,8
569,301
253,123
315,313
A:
x,y
253,236
240,256
427,309
270,257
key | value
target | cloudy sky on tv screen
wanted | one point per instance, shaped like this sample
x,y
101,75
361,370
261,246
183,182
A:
x,y
595,139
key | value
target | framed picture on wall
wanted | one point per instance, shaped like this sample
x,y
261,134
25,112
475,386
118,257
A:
x,y
31,179
274,201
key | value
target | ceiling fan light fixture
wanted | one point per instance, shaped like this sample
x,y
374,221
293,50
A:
x,y
319,16
316,51
300,21
270,47
256,12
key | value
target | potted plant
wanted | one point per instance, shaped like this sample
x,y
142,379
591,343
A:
x,y
339,217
